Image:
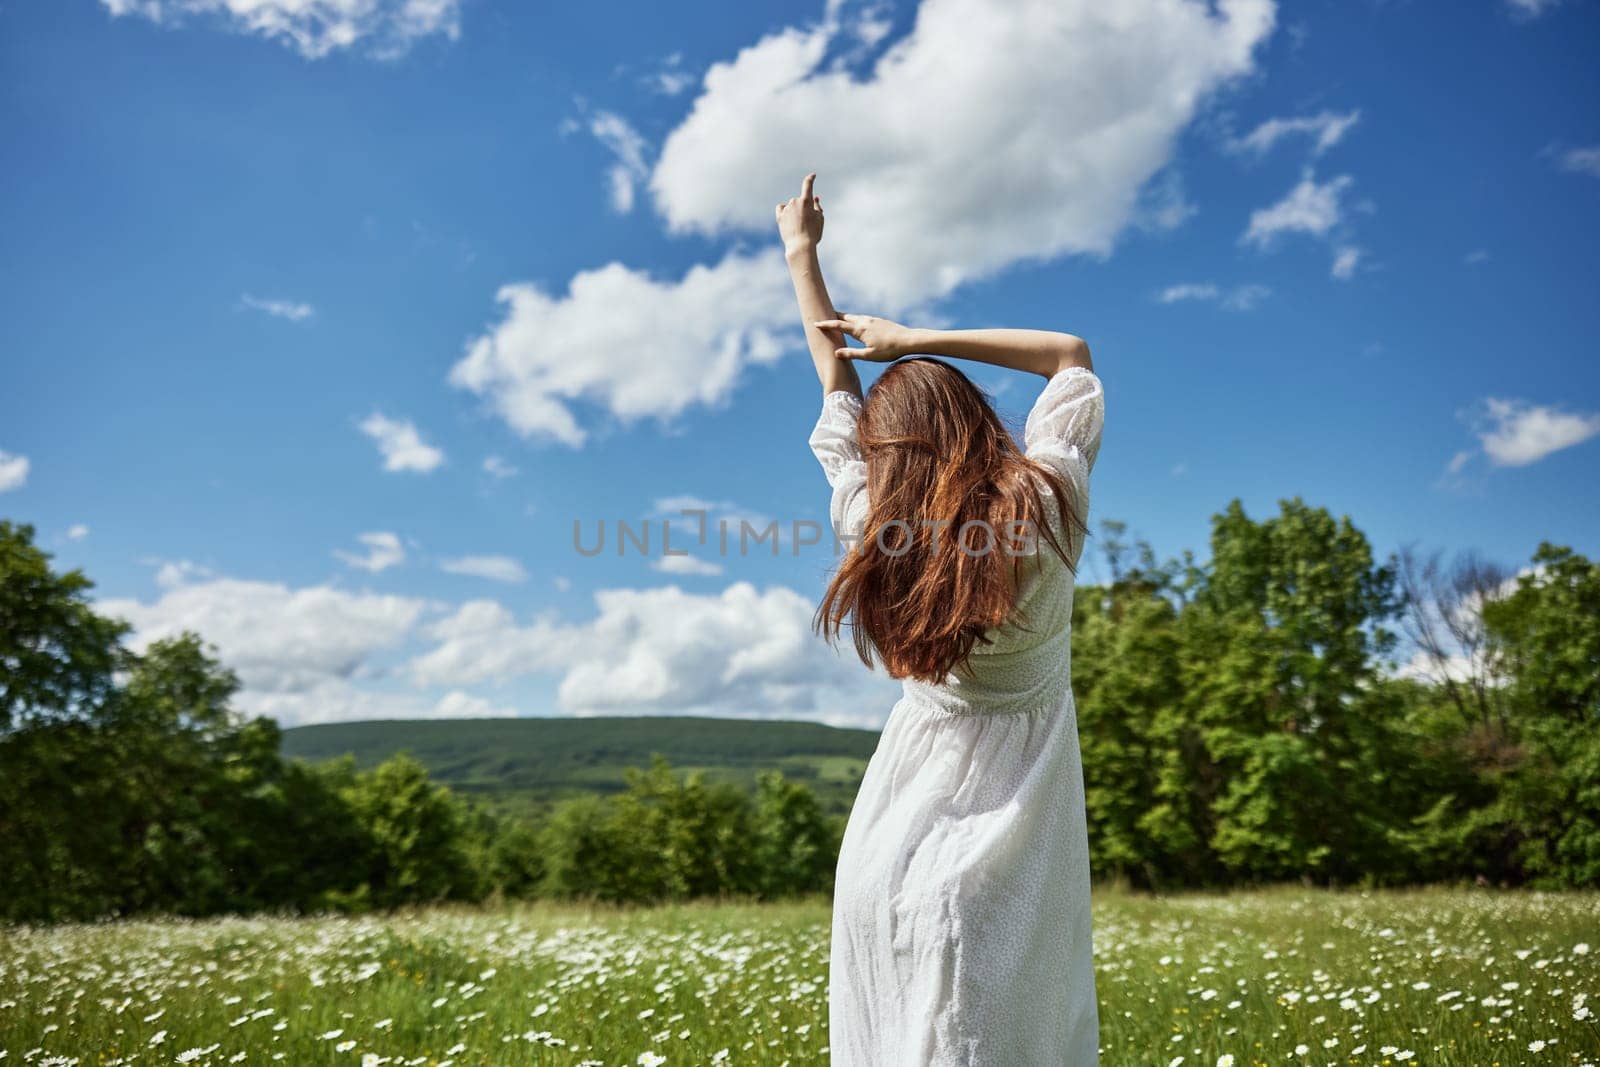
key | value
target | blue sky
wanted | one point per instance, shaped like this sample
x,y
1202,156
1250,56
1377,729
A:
x,y
323,330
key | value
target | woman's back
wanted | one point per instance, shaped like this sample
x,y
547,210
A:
x,y
1023,664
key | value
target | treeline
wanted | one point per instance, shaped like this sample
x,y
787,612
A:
x,y
1293,710
1243,721
128,784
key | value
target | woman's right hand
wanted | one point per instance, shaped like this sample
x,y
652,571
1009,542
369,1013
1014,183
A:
x,y
800,218
884,340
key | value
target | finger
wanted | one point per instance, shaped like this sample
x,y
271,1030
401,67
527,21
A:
x,y
816,201
805,186
838,324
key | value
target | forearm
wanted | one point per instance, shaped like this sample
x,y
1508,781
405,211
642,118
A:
x,y
805,270
1043,352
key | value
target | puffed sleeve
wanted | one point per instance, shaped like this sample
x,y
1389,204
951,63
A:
x,y
833,441
1063,429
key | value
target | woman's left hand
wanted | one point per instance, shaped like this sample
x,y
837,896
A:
x,y
885,341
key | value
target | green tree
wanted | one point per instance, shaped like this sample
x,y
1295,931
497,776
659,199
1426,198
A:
x,y
794,845
1280,661
57,656
414,830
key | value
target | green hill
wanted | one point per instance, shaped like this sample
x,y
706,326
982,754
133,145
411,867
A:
x,y
524,764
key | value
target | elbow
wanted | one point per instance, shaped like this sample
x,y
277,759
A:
x,y
1073,352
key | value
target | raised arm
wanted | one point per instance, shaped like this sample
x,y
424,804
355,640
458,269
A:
x,y
800,225
1043,352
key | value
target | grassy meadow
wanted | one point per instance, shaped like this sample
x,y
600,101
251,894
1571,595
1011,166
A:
x,y
1279,976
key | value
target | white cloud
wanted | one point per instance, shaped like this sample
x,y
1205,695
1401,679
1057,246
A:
x,y
384,550
494,568
481,642
1582,160
1239,298
1010,179
740,652
1515,433
294,311
634,344
1310,207
1188,291
1326,130
313,28
176,572
402,446
498,468
296,650
671,79
13,471
686,565
623,140
1476,256
77,532
1531,8
1345,261
321,654
458,705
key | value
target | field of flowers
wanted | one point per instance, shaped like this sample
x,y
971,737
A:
x,y
1482,978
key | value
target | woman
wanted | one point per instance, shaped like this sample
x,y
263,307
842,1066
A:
x,y
961,926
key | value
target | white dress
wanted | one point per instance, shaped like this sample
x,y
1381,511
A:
x,y
961,925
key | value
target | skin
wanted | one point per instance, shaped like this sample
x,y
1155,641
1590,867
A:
x,y
1042,352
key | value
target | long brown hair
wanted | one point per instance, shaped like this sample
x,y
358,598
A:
x,y
945,480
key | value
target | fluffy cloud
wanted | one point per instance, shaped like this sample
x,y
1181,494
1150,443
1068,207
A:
x,y
1045,133
671,79
1238,298
13,471
481,641
1515,433
632,343
687,565
1345,261
296,651
1326,130
77,532
1582,161
1311,207
496,467
313,28
293,310
1530,8
623,140
384,550
742,652
1045,146
321,654
494,568
402,446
